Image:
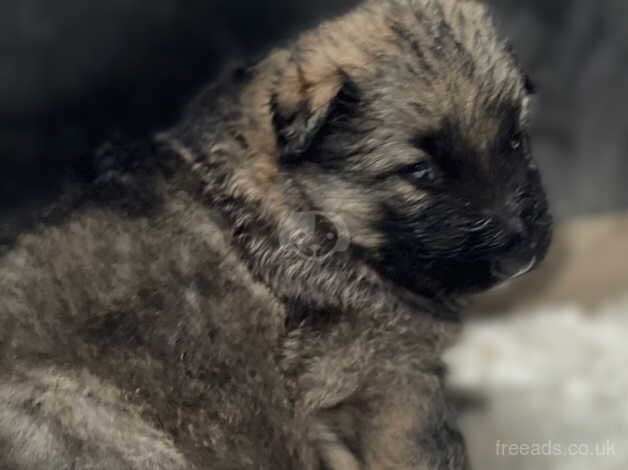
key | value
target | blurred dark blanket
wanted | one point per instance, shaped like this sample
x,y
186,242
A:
x,y
73,73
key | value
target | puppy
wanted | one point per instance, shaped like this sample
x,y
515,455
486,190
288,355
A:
x,y
273,286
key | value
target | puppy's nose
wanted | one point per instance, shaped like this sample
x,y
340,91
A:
x,y
514,224
510,214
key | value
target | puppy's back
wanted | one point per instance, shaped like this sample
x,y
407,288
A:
x,y
115,330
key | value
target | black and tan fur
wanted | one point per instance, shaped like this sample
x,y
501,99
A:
x,y
166,326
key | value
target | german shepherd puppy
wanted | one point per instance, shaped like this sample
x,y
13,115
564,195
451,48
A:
x,y
273,286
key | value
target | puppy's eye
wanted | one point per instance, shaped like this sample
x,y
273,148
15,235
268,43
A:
x,y
420,171
516,143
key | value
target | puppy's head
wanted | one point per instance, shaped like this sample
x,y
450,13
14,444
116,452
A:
x,y
408,119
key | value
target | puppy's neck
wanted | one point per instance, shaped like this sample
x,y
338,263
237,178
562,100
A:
x,y
339,284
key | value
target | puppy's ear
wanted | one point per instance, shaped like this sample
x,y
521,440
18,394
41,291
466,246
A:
x,y
301,111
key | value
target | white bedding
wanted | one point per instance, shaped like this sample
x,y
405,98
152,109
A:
x,y
554,382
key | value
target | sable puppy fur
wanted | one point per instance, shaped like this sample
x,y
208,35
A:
x,y
164,323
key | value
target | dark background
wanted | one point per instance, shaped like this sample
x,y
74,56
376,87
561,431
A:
x,y
74,73
577,53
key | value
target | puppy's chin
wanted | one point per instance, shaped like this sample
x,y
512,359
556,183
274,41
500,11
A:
x,y
443,277
456,278
433,278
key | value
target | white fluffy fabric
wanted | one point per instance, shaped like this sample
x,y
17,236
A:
x,y
553,388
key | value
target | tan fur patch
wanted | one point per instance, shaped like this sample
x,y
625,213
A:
x,y
392,448
312,76
333,452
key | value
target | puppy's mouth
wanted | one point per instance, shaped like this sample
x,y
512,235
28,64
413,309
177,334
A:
x,y
508,269
522,255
